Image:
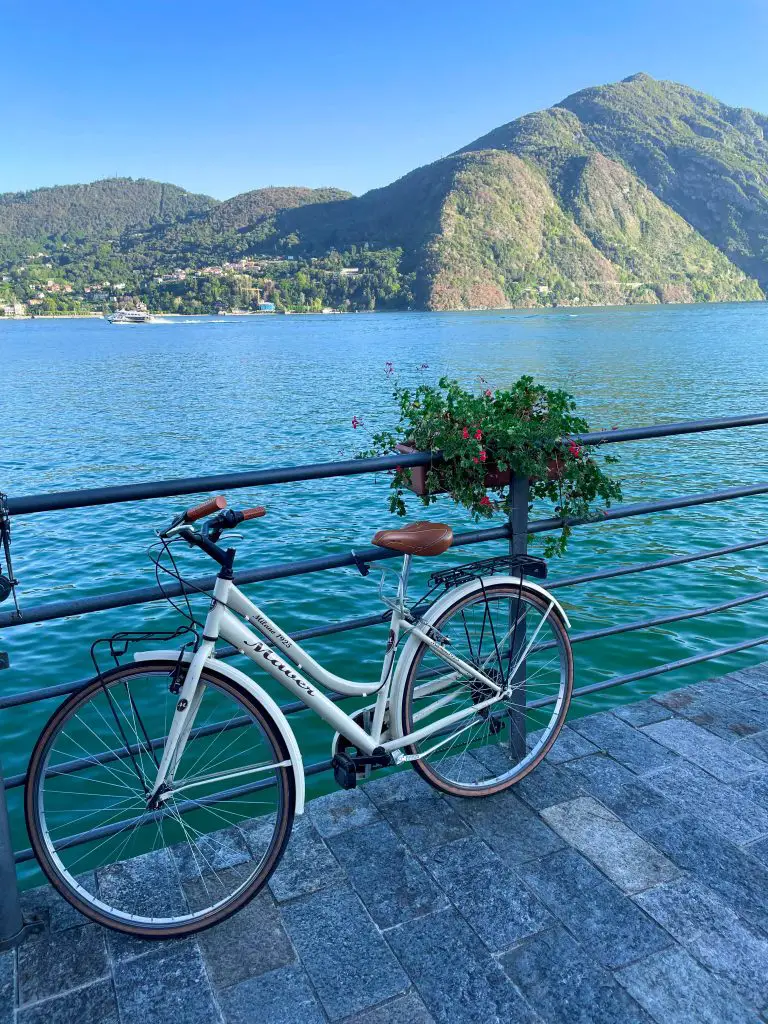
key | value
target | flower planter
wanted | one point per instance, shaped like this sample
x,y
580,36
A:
x,y
494,478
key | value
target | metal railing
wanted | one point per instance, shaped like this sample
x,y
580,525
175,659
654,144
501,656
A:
x,y
514,533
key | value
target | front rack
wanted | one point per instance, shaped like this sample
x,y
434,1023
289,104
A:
x,y
514,565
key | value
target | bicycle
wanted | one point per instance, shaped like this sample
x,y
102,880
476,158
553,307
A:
x,y
161,794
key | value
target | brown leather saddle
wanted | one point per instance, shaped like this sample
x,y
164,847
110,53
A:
x,y
416,539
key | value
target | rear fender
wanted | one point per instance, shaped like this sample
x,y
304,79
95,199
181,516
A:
x,y
219,668
432,615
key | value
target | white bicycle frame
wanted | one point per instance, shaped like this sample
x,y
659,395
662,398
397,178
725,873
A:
x,y
222,622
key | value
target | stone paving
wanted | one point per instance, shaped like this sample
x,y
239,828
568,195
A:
x,y
624,881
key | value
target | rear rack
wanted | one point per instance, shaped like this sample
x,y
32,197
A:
x,y
514,565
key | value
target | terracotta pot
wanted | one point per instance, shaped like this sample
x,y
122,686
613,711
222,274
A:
x,y
494,478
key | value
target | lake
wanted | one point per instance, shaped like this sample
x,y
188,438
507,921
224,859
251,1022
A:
x,y
85,404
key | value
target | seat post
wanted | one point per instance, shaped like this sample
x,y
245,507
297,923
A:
x,y
405,573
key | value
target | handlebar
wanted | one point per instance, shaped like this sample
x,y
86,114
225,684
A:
x,y
207,507
225,519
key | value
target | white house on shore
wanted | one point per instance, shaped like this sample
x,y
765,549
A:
x,y
14,309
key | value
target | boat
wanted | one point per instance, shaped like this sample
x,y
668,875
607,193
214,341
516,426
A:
x,y
130,316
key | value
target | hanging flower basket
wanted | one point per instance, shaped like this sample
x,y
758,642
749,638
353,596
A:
x,y
488,437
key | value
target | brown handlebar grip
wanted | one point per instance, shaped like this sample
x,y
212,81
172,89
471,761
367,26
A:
x,y
207,507
254,513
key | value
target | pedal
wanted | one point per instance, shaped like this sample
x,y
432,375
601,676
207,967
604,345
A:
x,y
347,768
344,771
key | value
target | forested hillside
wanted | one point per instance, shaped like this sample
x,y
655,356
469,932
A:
x,y
639,191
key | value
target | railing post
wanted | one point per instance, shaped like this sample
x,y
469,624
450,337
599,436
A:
x,y
11,922
517,510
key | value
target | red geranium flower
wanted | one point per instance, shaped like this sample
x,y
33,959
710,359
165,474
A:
x,y
483,456
465,433
356,422
478,435
485,500
574,449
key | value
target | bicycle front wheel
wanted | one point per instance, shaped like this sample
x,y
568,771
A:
x,y
484,738
170,870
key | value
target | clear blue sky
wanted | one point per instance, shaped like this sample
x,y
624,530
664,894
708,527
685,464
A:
x,y
229,96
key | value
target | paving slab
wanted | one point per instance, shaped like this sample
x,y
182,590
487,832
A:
x,y
251,942
548,784
565,985
735,874
7,986
697,793
758,850
675,989
169,986
570,744
391,882
609,924
92,1004
58,915
629,796
619,852
283,996
407,1009
702,748
756,745
512,829
60,961
755,788
342,951
488,894
307,864
346,808
642,712
628,746
459,982
730,715
714,934
416,811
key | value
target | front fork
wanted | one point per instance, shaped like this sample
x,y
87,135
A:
x,y
187,706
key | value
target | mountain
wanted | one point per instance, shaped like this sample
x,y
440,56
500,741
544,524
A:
x,y
637,191
250,208
101,209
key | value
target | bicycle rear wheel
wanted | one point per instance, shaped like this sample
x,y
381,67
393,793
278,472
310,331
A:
x,y
516,637
199,857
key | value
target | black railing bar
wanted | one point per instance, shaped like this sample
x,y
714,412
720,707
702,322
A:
x,y
121,599
657,670
105,831
670,429
15,700
87,497
605,574
642,508
56,500
108,756
144,595
299,706
47,693
663,620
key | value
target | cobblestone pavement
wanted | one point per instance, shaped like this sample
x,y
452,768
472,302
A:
x,y
625,880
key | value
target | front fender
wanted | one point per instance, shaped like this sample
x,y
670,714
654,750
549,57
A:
x,y
221,668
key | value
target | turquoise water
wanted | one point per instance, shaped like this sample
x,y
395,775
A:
x,y
86,404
